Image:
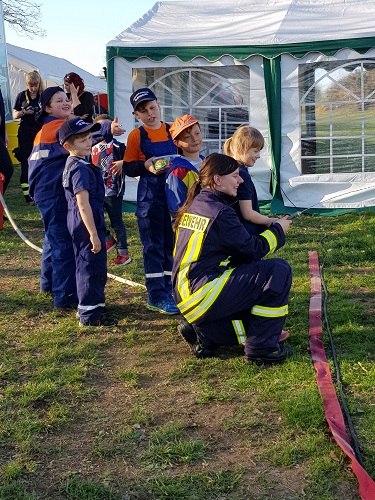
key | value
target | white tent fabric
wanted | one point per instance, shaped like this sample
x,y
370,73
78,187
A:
x,y
188,34
52,70
249,22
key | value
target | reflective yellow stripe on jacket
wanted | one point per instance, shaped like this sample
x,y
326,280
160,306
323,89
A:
x,y
194,305
271,240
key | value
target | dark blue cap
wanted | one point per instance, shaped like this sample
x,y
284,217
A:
x,y
76,126
141,95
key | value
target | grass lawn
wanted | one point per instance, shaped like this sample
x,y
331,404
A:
x,y
128,413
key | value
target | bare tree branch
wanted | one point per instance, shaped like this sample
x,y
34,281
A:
x,y
23,16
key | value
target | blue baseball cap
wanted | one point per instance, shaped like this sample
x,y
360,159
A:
x,y
76,126
141,95
44,99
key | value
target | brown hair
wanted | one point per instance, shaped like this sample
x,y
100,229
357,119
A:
x,y
73,137
244,138
34,78
213,164
102,118
76,80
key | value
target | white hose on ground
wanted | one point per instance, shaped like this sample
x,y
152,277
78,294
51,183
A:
x,y
38,249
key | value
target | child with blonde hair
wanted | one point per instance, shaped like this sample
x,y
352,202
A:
x,y
245,146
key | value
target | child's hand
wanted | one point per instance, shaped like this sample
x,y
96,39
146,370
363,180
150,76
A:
x,y
116,167
149,165
116,128
96,244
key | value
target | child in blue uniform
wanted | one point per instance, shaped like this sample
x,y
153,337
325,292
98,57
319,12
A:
x,y
154,222
224,304
186,134
84,191
46,165
245,146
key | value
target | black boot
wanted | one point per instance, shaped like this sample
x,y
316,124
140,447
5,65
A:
x,y
283,352
188,333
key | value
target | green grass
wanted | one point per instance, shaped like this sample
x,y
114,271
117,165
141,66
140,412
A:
x,y
126,412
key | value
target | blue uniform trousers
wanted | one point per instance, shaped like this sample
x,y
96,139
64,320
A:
x,y
91,277
230,320
156,235
58,263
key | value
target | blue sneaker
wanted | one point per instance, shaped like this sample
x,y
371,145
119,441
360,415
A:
x,y
165,306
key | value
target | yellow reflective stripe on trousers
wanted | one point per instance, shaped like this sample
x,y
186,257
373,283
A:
x,y
270,312
271,240
201,300
240,330
191,255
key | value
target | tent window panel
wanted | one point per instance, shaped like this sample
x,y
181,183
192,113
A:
x,y
350,146
347,165
347,111
369,164
337,115
318,129
347,128
315,166
369,145
369,126
219,97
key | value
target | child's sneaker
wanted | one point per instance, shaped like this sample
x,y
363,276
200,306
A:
x,y
110,244
122,259
164,306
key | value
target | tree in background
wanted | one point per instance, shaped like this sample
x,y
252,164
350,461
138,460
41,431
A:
x,y
23,16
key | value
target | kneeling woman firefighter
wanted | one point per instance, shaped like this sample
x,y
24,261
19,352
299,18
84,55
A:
x,y
225,291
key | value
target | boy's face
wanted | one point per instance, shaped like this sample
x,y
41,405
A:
x,y
81,146
149,114
59,106
252,156
190,140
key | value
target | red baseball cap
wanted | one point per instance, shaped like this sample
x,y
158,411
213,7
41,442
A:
x,y
181,124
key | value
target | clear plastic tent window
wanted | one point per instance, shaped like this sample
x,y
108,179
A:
x,y
218,97
337,105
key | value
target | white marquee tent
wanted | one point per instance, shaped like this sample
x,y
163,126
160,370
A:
x,y
301,71
52,70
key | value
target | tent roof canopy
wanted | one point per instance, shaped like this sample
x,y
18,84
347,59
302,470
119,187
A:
x,y
189,29
53,68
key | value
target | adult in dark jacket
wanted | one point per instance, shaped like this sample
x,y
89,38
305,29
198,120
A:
x,y
6,166
25,108
222,304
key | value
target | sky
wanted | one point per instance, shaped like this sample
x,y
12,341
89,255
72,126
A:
x,y
78,30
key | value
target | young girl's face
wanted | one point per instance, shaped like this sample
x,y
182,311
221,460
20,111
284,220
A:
x,y
252,156
59,106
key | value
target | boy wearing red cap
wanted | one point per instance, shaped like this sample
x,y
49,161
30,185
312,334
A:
x,y
186,134
152,139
